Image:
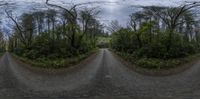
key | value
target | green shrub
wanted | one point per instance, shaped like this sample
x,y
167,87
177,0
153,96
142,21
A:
x,y
149,63
160,45
156,63
55,63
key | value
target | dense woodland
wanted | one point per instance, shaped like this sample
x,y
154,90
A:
x,y
2,42
151,36
54,37
159,33
154,36
55,33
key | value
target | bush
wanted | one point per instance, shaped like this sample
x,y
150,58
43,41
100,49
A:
x,y
149,63
156,63
126,41
54,63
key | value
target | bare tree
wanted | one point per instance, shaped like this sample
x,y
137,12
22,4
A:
x,y
72,26
87,17
24,31
71,16
171,16
114,26
39,18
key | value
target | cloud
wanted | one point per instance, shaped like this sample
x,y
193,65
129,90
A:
x,y
113,10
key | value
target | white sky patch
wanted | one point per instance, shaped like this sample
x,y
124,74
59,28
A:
x,y
112,10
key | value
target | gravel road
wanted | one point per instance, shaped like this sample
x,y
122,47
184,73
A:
x,y
102,77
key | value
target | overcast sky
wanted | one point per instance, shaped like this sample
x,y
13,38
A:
x,y
115,10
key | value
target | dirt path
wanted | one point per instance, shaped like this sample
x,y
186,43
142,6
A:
x,y
104,77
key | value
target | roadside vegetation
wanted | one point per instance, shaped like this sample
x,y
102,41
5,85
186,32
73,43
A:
x,y
2,43
159,37
57,37
155,38
55,63
104,41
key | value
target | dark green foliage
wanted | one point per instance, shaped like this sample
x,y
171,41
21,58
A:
x,y
122,40
41,38
126,41
151,46
2,43
47,62
156,63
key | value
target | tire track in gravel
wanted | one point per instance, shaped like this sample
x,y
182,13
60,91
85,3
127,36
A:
x,y
104,77
48,85
8,86
179,86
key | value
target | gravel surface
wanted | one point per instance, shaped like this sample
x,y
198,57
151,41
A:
x,y
103,77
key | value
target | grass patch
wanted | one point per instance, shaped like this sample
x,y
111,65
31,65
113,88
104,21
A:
x,y
155,63
56,63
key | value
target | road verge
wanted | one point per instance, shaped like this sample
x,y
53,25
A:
x,y
36,68
177,68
